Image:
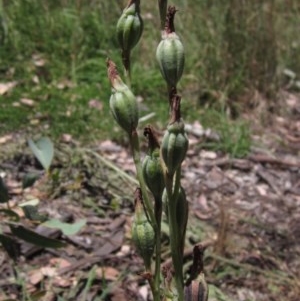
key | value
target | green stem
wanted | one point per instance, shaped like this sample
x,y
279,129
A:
x,y
155,291
158,213
174,238
135,146
177,187
162,5
127,66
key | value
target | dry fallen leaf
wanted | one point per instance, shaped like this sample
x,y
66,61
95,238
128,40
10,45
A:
x,y
66,138
35,276
38,60
5,139
49,271
27,102
62,282
5,87
208,155
16,104
144,292
118,294
96,104
109,273
59,262
65,84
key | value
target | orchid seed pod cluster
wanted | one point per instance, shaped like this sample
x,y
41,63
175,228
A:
x,y
123,104
159,174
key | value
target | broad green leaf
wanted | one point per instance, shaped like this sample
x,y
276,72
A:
x,y
12,214
29,179
3,192
32,213
67,229
35,238
43,151
10,246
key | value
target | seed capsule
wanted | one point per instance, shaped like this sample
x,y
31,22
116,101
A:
x,y
175,141
170,52
174,146
152,169
181,209
130,26
143,234
153,174
123,104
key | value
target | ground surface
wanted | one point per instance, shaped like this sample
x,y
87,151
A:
x,y
247,212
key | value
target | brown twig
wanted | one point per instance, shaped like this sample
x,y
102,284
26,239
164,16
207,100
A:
x,y
270,160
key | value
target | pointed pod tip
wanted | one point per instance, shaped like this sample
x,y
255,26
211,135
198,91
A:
x,y
112,71
169,26
151,136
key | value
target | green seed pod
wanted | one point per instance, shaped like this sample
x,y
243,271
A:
x,y
142,232
174,146
153,174
181,208
182,211
152,169
124,108
130,26
170,53
123,104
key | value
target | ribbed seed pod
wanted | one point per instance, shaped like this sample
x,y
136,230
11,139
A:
x,y
153,174
182,211
170,53
142,232
170,57
124,108
130,26
174,146
123,104
181,208
152,169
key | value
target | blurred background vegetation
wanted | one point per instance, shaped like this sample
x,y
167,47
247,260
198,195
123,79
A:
x,y
55,53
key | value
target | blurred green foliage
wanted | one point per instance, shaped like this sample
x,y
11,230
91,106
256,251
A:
x,y
56,51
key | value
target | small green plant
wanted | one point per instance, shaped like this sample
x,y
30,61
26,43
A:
x,y
44,151
159,174
235,137
12,219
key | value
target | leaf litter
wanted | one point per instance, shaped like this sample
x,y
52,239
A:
x,y
245,212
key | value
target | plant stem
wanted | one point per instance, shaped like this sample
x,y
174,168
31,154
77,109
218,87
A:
x,y
127,66
176,251
135,146
162,4
158,213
